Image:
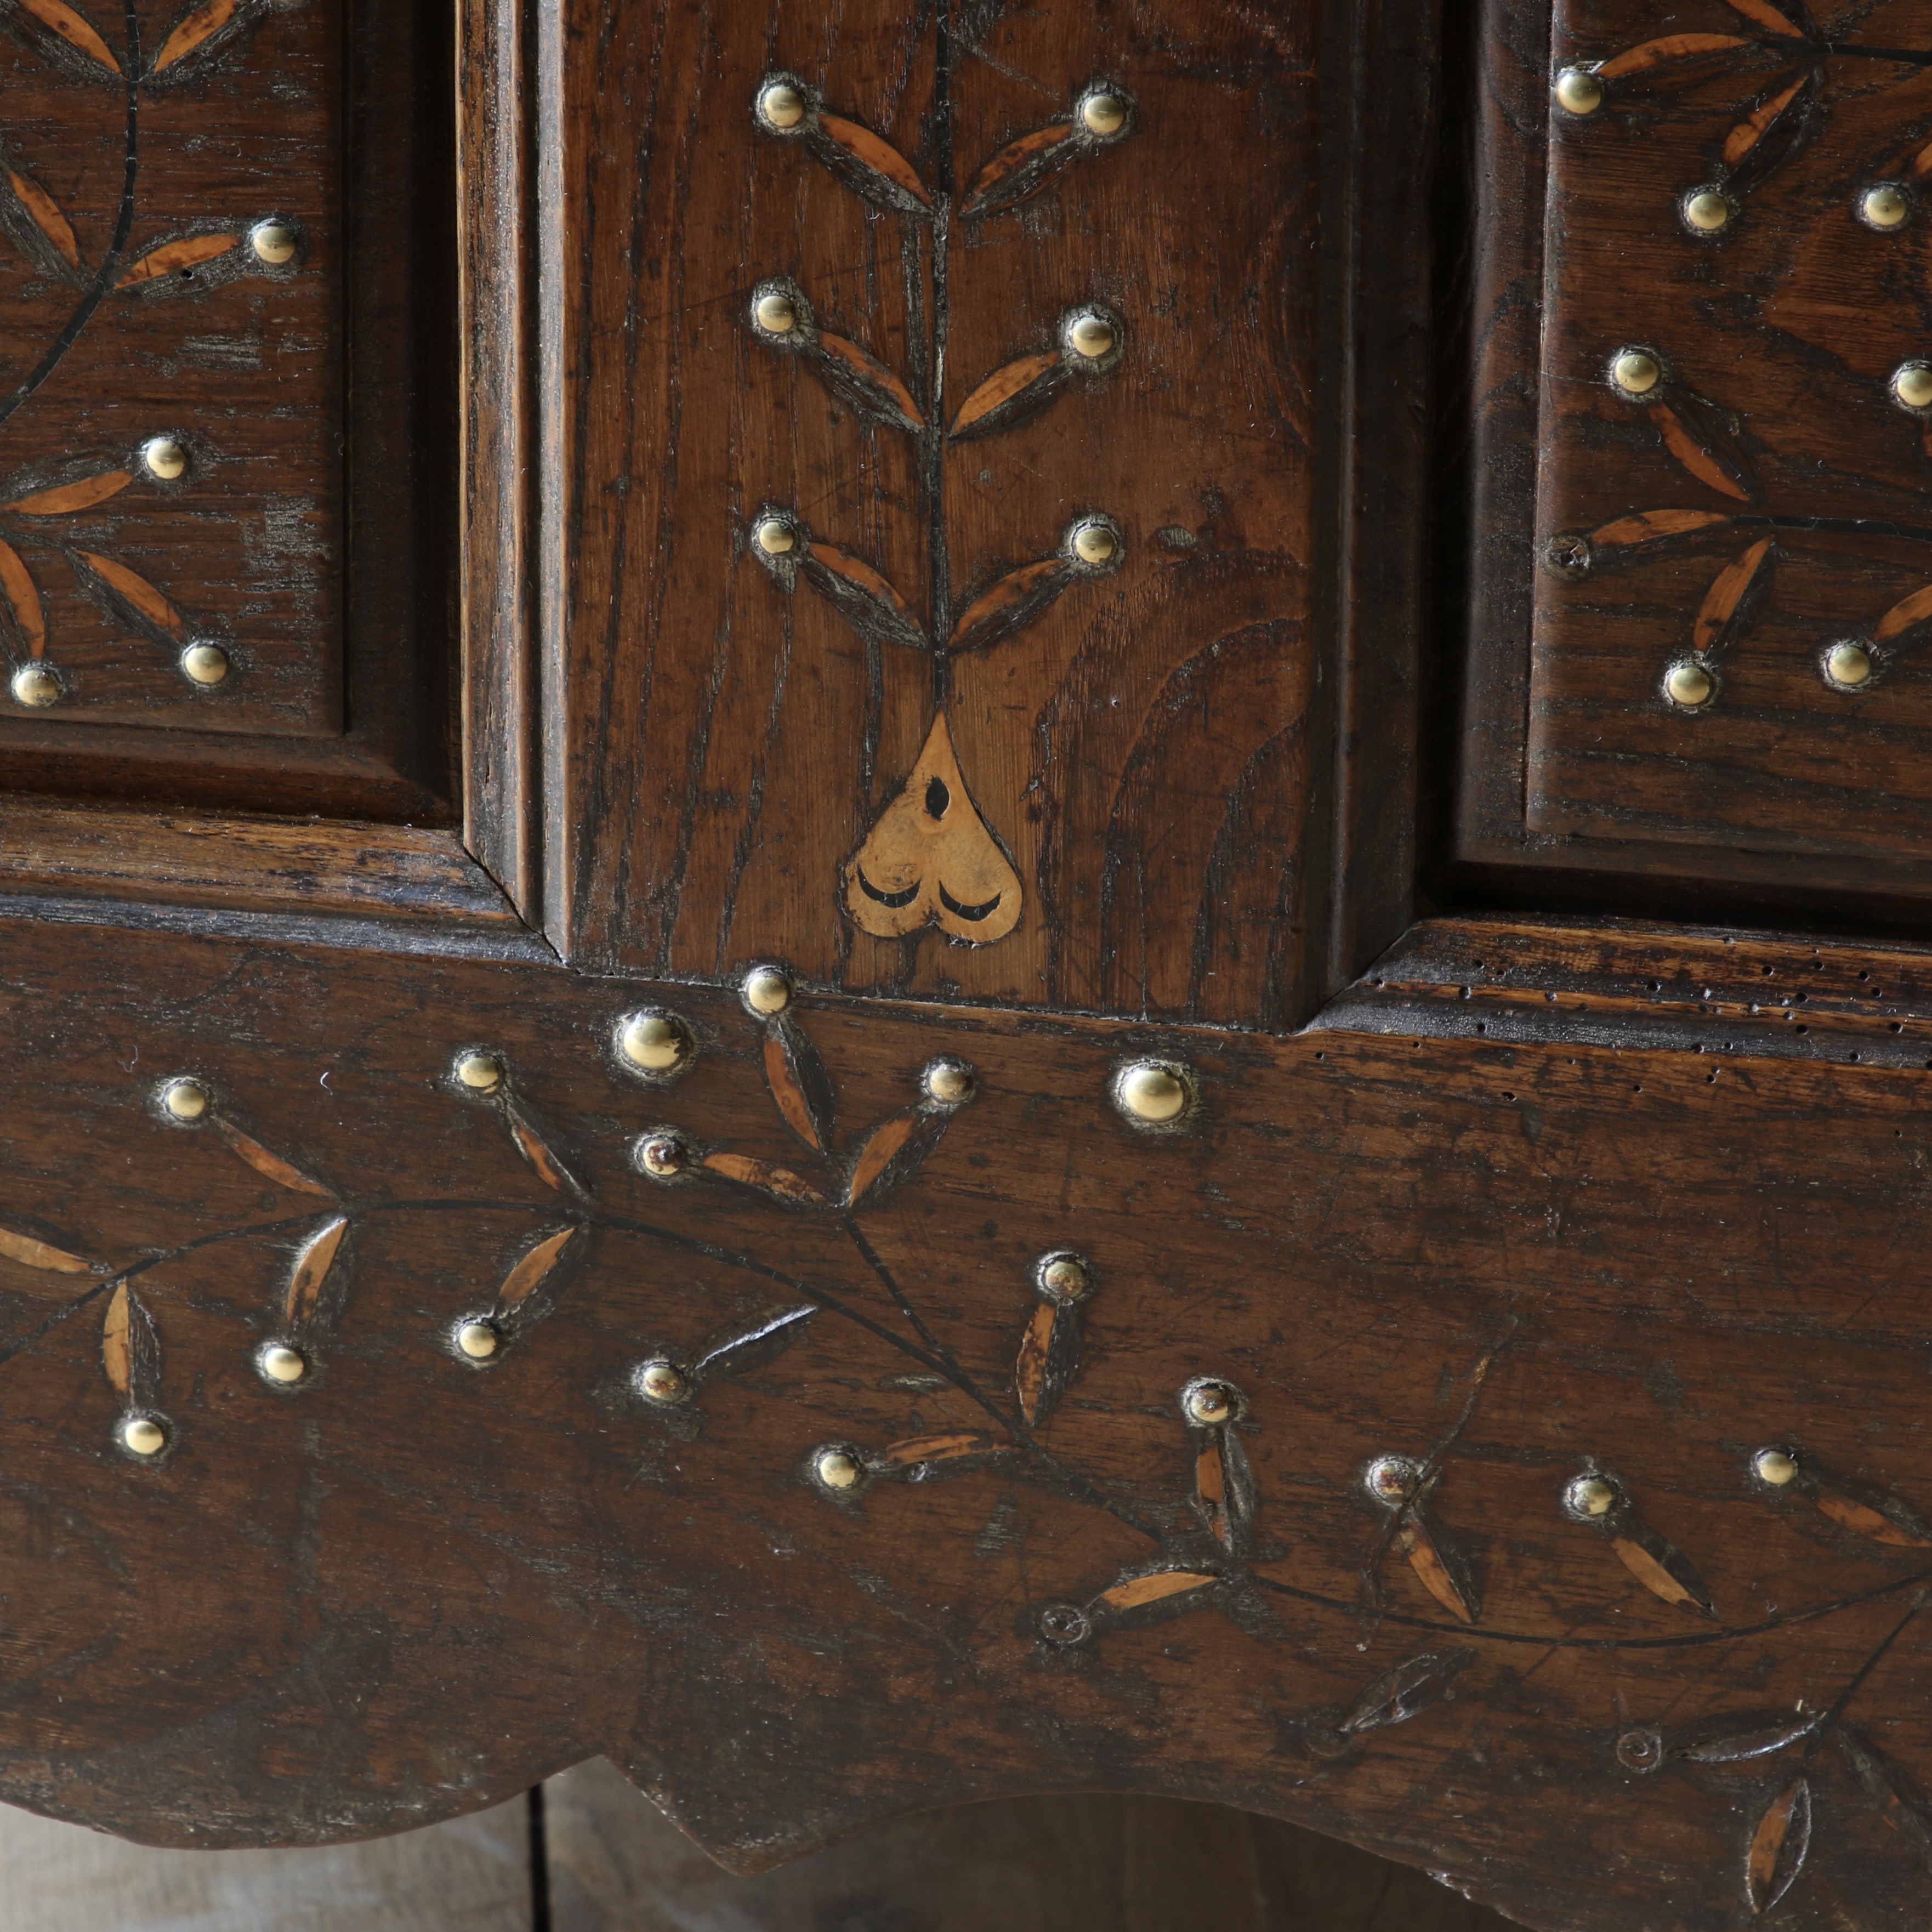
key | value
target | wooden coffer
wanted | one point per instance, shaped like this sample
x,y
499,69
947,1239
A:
x,y
913,901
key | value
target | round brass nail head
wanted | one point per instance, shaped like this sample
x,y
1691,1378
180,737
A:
x,y
1091,335
478,1340
1776,1467
836,1469
767,991
1208,1402
281,1363
1591,1496
1911,384
1635,372
1064,1277
782,105
185,1099
662,1381
274,243
1149,1092
1688,685
143,1436
1885,207
1579,91
1095,543
1390,1478
165,458
776,538
1707,210
1103,114
654,1042
204,664
481,1073
36,685
949,1082
1848,664
661,1157
777,314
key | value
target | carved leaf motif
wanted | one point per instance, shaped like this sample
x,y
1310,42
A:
x,y
1651,527
65,498
537,1148
1907,614
1049,1353
37,1254
1650,54
1011,603
1439,1562
1774,133
767,1177
1746,135
1733,1738
869,166
1778,1846
947,1448
860,379
800,1086
23,601
741,1349
202,35
1762,14
1899,1804
1010,395
539,1276
73,28
1134,1592
48,234
272,1165
861,596
930,857
1398,1694
893,1152
131,598
1695,432
1661,1568
1899,1528
172,258
192,28
313,1267
1733,600
1021,168
131,1350
1224,1489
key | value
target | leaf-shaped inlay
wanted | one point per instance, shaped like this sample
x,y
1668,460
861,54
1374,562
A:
x,y
33,1253
1763,13
50,235
537,1143
73,28
1778,1846
1697,433
131,1350
1899,1803
539,1276
1733,600
310,1278
65,498
23,601
1021,168
1733,1738
801,1088
200,34
1907,614
861,596
1652,526
1660,1567
738,1349
172,258
893,1152
283,1173
1438,1563
868,165
767,1177
1010,394
1774,133
1011,603
1224,1492
1894,1525
930,857
949,1447
1398,1694
131,598
1155,1586
1649,54
1049,1352
860,379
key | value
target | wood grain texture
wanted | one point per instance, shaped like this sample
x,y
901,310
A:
x,y
1390,1237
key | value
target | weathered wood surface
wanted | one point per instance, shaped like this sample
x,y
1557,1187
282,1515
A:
x,y
427,1583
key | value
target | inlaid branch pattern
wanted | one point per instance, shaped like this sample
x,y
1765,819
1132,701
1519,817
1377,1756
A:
x,y
931,857
1792,61
194,258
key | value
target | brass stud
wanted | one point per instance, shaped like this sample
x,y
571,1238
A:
x,y
1151,1093
274,242
1911,384
1849,665
1777,1467
1591,1496
1707,210
776,314
1064,1277
1884,206
837,1468
776,537
654,1041
1208,1402
1688,685
1579,91
661,1156
1064,1624
1096,543
766,991
281,1363
1391,1479
950,1082
662,1381
165,458
185,1099
1103,114
781,105
481,1073
478,1340
143,1435
1090,335
1639,1750
37,685
1636,371
204,664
